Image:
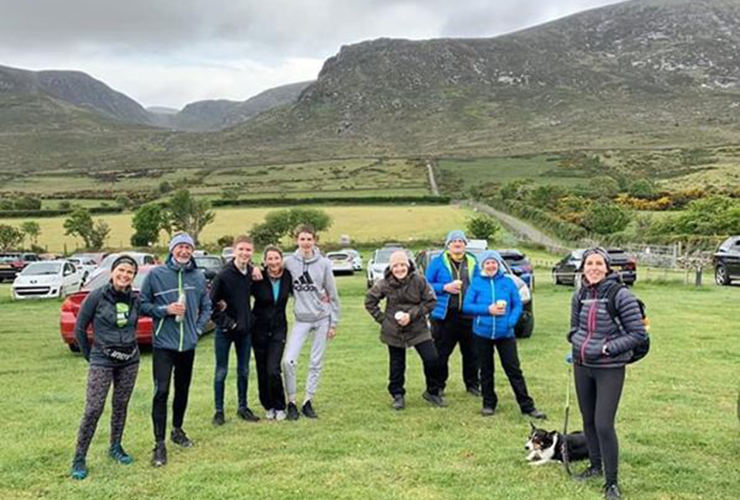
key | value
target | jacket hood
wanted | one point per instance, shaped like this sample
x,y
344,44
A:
x,y
488,255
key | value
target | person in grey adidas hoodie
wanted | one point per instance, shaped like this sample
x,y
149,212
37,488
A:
x,y
316,310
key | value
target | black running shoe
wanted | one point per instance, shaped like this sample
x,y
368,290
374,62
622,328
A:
x,y
611,492
535,413
473,391
293,412
434,399
308,411
179,437
79,468
159,454
219,419
399,403
246,414
590,473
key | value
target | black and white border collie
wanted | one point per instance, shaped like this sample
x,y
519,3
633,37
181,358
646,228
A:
x,y
545,447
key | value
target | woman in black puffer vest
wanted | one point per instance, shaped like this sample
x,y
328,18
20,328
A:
x,y
601,349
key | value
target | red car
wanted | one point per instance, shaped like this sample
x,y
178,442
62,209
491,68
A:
x,y
71,306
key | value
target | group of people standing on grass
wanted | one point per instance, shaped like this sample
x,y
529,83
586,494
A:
x,y
177,299
469,302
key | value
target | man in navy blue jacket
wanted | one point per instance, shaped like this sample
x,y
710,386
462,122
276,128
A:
x,y
450,275
175,296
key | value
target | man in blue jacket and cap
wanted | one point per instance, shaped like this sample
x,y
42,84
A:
x,y
450,276
175,296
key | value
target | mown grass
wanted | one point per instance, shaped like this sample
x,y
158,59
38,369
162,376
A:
x,y
362,223
677,424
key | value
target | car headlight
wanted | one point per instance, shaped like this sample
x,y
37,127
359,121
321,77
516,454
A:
x,y
525,294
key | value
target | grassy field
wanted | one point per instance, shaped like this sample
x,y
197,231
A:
x,y
361,223
351,177
679,435
537,168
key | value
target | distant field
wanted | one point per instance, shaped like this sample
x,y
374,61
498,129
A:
x,y
351,178
361,223
540,169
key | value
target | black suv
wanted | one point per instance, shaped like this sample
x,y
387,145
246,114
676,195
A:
x,y
566,270
726,261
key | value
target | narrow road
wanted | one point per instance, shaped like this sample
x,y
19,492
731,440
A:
x,y
432,180
520,228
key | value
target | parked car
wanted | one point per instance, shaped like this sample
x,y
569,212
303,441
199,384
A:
x,y
12,263
341,262
356,258
40,280
96,257
726,261
210,265
85,265
520,265
71,306
565,271
525,326
379,262
141,258
227,254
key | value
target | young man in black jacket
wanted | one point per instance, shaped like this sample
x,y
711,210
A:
x,y
233,287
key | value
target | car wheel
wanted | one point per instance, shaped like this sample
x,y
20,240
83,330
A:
x,y
74,347
555,278
721,276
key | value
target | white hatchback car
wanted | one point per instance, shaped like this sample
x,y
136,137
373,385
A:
x,y
40,280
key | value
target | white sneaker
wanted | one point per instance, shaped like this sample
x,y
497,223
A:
x,y
270,414
280,415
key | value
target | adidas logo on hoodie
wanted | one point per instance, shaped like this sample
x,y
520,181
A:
x,y
304,283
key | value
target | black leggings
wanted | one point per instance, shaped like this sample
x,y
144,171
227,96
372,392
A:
x,y
599,390
397,368
164,362
268,353
99,380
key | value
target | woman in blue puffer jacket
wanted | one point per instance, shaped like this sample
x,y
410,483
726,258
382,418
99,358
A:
x,y
493,299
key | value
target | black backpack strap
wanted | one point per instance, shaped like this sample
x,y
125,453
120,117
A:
x,y
611,304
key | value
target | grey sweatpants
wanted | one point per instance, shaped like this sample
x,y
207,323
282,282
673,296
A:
x,y
298,336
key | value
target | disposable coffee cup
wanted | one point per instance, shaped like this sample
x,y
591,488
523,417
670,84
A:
x,y
501,303
458,282
399,315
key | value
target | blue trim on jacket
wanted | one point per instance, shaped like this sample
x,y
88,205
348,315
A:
x,y
439,274
161,288
486,290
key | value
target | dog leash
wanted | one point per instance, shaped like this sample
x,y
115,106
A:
x,y
564,444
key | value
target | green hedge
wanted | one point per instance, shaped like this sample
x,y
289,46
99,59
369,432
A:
x,y
18,214
333,200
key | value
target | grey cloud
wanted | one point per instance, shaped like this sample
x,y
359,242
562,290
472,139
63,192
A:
x,y
277,28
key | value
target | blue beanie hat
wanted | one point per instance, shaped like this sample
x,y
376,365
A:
x,y
181,238
492,254
455,235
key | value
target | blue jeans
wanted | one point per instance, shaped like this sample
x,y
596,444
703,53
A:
x,y
242,345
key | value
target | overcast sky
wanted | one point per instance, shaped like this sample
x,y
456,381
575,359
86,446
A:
x,y
172,52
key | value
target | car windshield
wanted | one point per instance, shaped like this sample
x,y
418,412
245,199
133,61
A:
x,y
208,262
42,268
337,256
104,277
8,259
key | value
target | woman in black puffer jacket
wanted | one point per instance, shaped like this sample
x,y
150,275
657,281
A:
x,y
601,349
113,312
